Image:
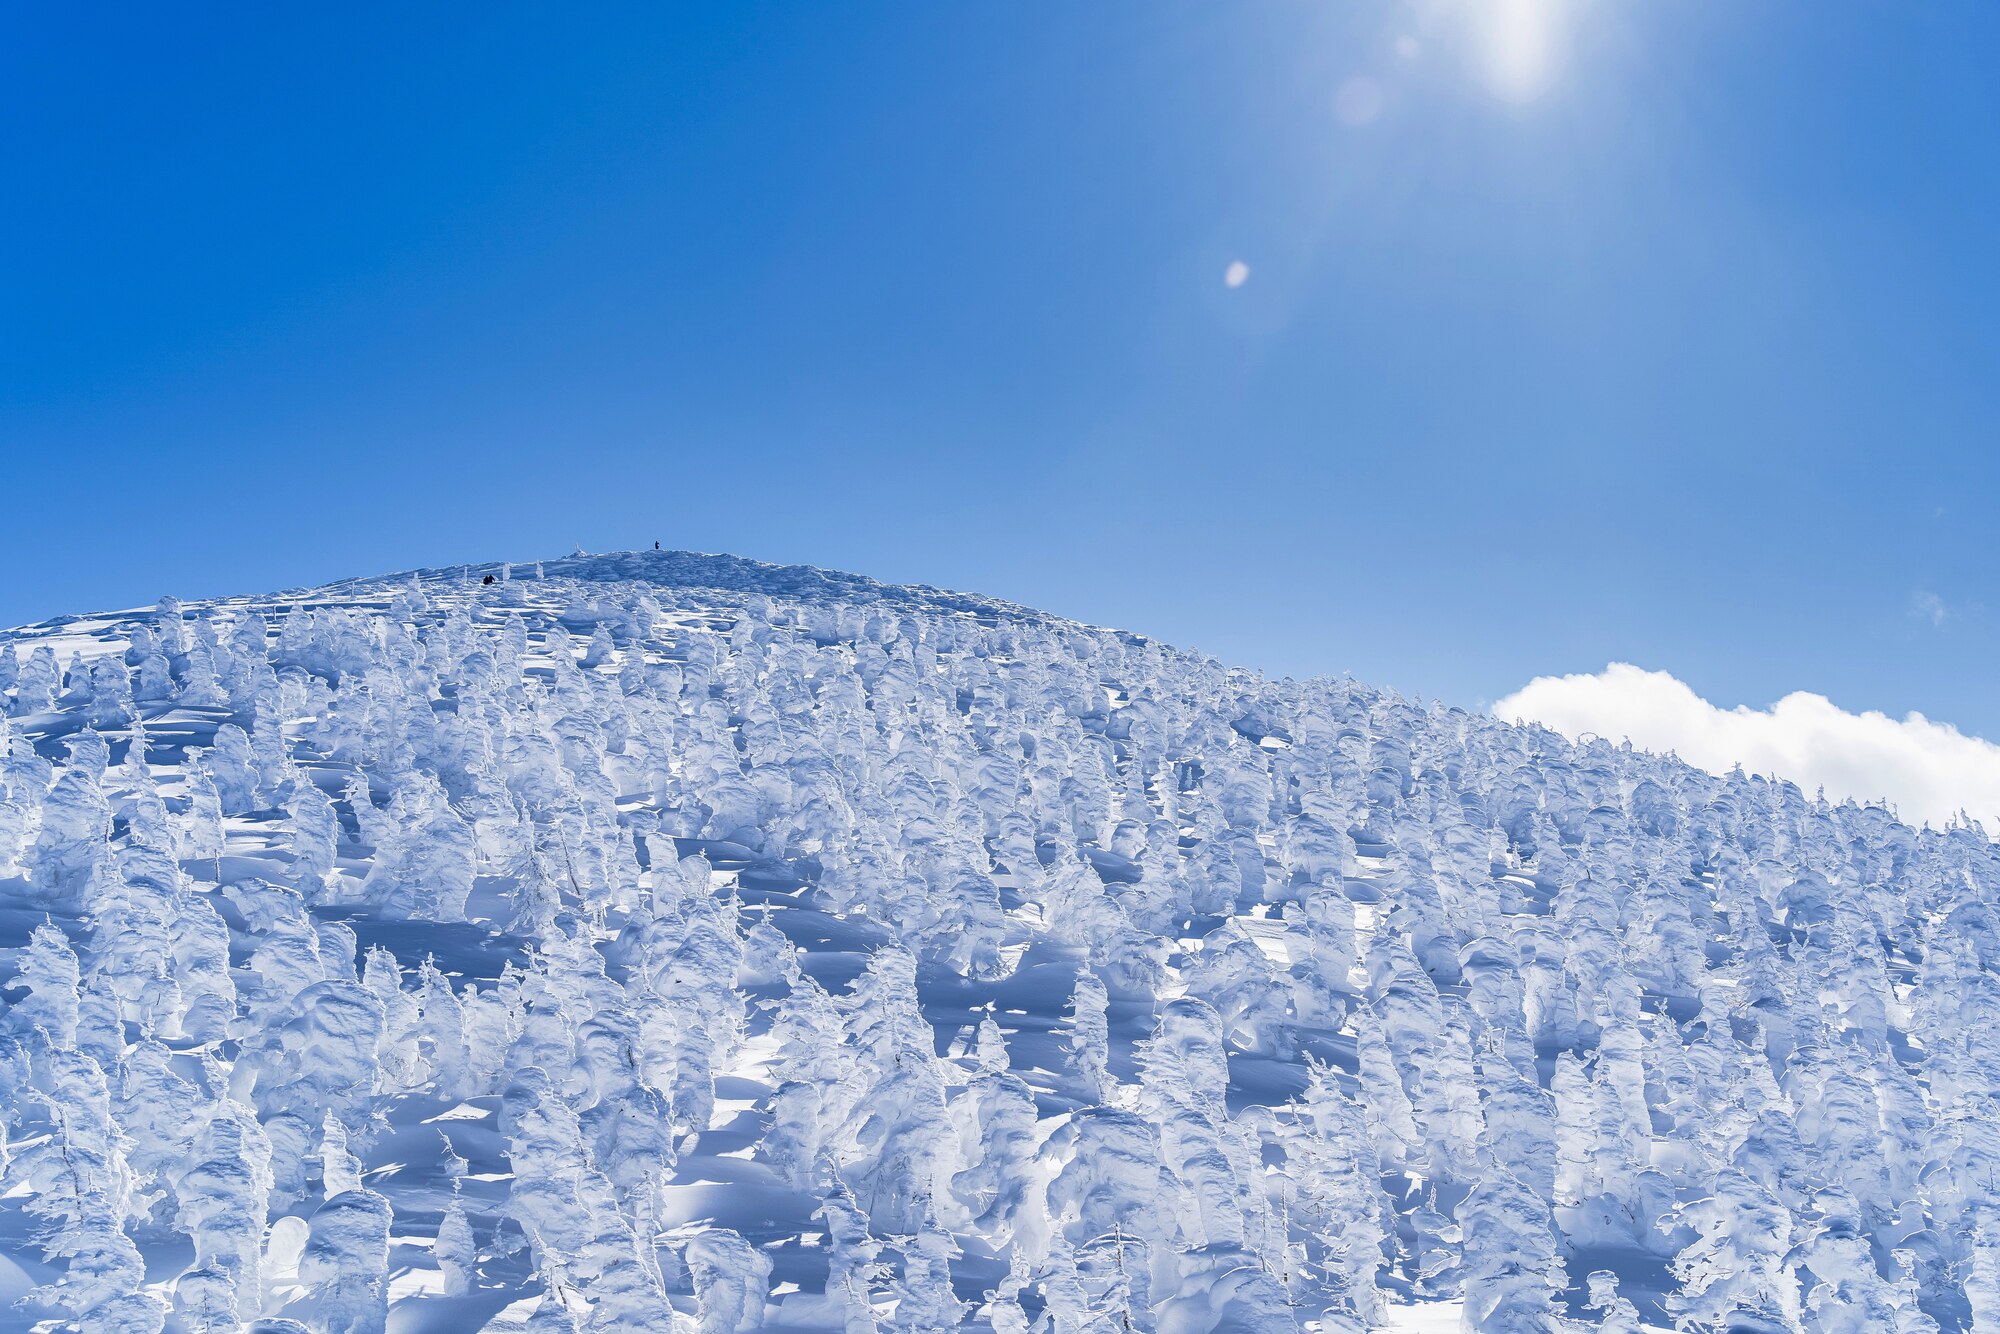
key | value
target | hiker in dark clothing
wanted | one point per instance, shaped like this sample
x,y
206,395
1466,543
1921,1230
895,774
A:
x,y
487,580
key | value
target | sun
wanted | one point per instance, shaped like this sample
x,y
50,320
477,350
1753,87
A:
x,y
1522,46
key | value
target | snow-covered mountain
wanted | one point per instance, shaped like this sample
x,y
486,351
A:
x,y
662,941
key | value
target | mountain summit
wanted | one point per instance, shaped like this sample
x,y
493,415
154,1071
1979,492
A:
x,y
660,941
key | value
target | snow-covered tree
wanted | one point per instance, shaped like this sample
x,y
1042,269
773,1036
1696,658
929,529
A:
x,y
663,882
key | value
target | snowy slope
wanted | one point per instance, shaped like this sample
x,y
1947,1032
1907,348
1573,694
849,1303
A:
x,y
661,941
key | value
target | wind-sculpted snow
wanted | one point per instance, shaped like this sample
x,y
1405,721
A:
x,y
663,942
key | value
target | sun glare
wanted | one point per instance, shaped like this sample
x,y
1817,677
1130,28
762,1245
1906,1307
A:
x,y
1515,51
1522,46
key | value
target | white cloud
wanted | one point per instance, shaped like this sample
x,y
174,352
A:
x,y
1929,607
1236,274
1928,770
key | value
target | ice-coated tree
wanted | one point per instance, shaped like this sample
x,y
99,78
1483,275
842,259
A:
x,y
36,685
1090,1041
1735,1274
1519,1124
205,1301
223,1196
1616,1314
1002,1309
1513,1268
582,869
457,1249
425,860
989,1052
49,971
72,853
159,1110
198,828
440,1032
1389,1112
568,1208
1110,1178
1982,1279
731,1280
339,1169
111,704
853,1270
1339,1203
229,768
1185,1074
319,1055
1066,1304
925,1303
315,842
345,1265
997,1141
81,1190
896,1132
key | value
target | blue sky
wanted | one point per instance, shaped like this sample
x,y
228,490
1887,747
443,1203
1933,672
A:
x,y
1568,332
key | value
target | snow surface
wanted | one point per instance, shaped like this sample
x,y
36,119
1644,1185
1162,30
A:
x,y
663,941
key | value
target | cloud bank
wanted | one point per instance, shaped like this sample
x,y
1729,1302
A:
x,y
1928,771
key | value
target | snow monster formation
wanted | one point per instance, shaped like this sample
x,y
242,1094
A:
x,y
662,942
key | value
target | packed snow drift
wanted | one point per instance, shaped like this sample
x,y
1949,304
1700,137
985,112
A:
x,y
665,942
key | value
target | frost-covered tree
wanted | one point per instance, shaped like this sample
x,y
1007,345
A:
x,y
457,1248
1735,1273
346,1263
895,1134
1338,1201
997,1142
72,854
1090,1042
81,1193
223,1198
1512,1266
663,882
731,1279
